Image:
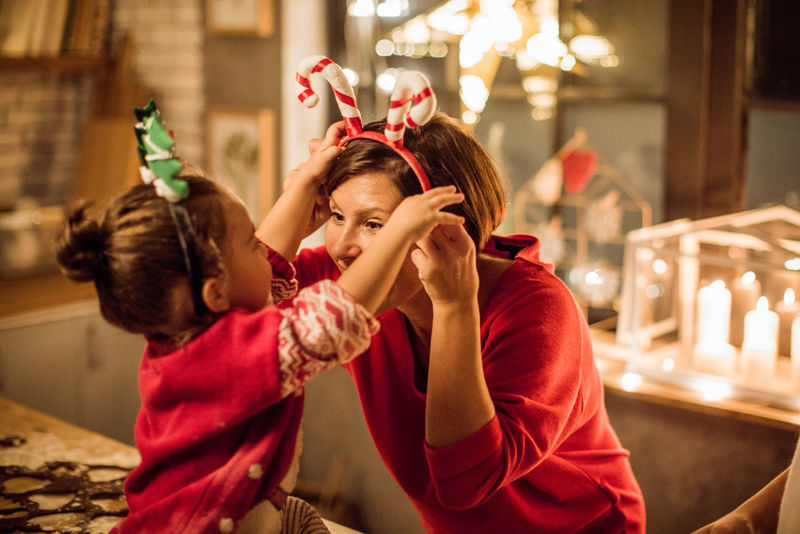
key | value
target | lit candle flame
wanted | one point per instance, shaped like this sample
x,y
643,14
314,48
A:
x,y
788,296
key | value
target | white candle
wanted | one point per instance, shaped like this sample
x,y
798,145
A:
x,y
795,354
744,296
713,354
760,348
787,310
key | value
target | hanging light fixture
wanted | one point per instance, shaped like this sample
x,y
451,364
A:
x,y
487,30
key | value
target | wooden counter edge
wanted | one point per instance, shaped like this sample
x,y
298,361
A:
x,y
612,369
36,293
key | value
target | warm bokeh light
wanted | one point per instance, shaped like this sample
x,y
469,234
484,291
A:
x,y
352,76
660,266
473,92
384,48
631,381
469,117
361,8
591,47
489,30
392,8
386,80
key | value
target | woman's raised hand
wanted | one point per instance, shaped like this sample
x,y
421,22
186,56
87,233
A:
x,y
446,263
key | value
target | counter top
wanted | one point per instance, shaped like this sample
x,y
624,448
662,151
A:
x,y
59,476
41,293
47,439
611,362
64,477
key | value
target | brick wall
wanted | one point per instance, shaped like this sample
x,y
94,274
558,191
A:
x,y
42,113
41,116
168,45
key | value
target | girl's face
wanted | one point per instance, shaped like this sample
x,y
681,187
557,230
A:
x,y
248,271
360,207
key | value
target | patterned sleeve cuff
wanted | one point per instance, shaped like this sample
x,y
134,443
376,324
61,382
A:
x,y
325,326
284,281
330,324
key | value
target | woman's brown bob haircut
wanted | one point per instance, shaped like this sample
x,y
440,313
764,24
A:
x,y
449,154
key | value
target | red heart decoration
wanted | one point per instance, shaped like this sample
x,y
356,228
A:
x,y
578,167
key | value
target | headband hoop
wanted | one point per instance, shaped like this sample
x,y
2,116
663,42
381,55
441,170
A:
x,y
402,151
413,103
160,168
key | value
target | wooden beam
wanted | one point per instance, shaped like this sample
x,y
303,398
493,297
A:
x,y
724,185
687,107
706,108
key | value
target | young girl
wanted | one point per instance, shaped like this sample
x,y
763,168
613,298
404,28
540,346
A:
x,y
222,374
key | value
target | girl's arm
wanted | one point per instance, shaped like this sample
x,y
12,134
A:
x,y
458,401
371,275
289,220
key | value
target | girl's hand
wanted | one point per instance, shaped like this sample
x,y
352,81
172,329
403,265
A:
x,y
418,214
447,267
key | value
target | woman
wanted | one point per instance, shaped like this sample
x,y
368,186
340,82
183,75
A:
x,y
496,427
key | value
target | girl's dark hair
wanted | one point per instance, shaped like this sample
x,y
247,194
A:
x,y
449,154
134,256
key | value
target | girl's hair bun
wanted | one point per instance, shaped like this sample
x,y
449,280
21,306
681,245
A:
x,y
80,248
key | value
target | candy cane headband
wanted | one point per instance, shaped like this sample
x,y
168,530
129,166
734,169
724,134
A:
x,y
160,168
413,103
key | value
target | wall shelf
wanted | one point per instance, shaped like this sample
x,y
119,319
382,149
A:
x,y
70,63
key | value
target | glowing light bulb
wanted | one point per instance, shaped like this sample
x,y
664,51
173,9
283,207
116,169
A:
x,y
418,32
473,92
545,48
469,117
384,48
591,47
352,76
385,81
361,8
660,266
392,8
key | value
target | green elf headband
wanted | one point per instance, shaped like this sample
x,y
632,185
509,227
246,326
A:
x,y
156,149
161,167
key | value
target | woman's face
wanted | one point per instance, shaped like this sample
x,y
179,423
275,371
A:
x,y
360,207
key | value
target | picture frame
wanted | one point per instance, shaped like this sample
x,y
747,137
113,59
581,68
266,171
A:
x,y
242,155
240,17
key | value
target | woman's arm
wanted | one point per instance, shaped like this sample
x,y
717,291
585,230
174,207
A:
x,y
757,514
458,401
298,210
537,365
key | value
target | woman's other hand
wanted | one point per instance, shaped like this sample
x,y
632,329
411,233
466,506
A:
x,y
446,262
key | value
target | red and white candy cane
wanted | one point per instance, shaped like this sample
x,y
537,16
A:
x,y
345,96
413,104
